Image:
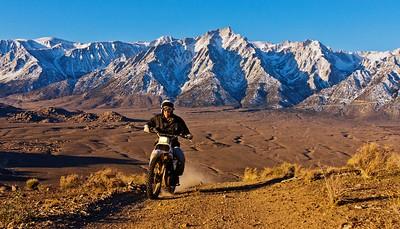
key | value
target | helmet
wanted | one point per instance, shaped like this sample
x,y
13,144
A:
x,y
167,103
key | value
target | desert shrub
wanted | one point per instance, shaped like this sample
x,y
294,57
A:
x,y
250,174
333,183
310,175
32,184
104,179
132,178
314,174
70,181
333,189
109,179
373,159
283,170
396,206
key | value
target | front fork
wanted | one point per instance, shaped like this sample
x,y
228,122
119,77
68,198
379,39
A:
x,y
170,159
168,167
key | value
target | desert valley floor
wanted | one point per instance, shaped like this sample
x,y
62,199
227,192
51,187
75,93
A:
x,y
226,141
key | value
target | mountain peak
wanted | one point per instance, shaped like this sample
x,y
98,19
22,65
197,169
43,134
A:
x,y
51,42
162,40
227,29
227,32
52,39
222,37
314,43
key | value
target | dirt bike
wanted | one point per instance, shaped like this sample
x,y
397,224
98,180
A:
x,y
162,167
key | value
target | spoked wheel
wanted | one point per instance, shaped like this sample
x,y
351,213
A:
x,y
154,178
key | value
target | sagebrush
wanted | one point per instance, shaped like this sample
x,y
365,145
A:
x,y
373,159
283,170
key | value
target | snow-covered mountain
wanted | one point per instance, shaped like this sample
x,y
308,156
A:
x,y
216,68
27,65
371,87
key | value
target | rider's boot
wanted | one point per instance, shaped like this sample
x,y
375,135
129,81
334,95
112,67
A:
x,y
177,181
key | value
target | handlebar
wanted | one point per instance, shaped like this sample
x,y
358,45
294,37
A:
x,y
153,130
167,135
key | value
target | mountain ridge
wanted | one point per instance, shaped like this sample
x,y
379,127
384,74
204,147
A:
x,y
219,67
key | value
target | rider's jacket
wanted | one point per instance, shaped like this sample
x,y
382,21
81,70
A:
x,y
173,125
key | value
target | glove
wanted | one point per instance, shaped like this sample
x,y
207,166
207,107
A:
x,y
189,136
146,129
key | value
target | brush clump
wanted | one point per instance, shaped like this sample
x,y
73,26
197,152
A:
x,y
375,160
70,181
283,170
108,178
32,184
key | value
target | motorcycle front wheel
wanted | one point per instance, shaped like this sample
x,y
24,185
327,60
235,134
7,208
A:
x,y
154,179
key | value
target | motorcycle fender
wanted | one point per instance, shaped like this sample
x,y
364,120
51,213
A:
x,y
155,154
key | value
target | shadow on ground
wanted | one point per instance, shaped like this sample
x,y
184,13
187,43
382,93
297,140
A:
x,y
11,160
10,175
29,160
96,211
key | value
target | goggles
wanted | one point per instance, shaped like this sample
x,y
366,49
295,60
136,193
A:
x,y
170,109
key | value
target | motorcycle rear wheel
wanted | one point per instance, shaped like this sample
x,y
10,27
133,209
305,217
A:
x,y
170,188
169,180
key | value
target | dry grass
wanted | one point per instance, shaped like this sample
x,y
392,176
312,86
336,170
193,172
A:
x,y
332,190
75,193
370,160
374,160
333,179
70,181
15,211
309,175
104,179
107,179
32,184
132,178
250,174
396,206
334,187
283,170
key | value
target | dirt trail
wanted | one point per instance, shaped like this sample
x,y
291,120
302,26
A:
x,y
210,206
291,203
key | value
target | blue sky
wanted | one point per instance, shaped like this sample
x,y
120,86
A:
x,y
341,24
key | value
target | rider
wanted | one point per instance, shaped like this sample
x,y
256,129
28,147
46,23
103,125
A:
x,y
169,123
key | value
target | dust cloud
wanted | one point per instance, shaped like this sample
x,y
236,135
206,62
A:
x,y
192,177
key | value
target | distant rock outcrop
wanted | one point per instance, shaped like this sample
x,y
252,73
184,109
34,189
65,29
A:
x,y
7,110
111,116
56,114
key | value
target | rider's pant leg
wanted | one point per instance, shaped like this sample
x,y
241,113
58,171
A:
x,y
181,160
